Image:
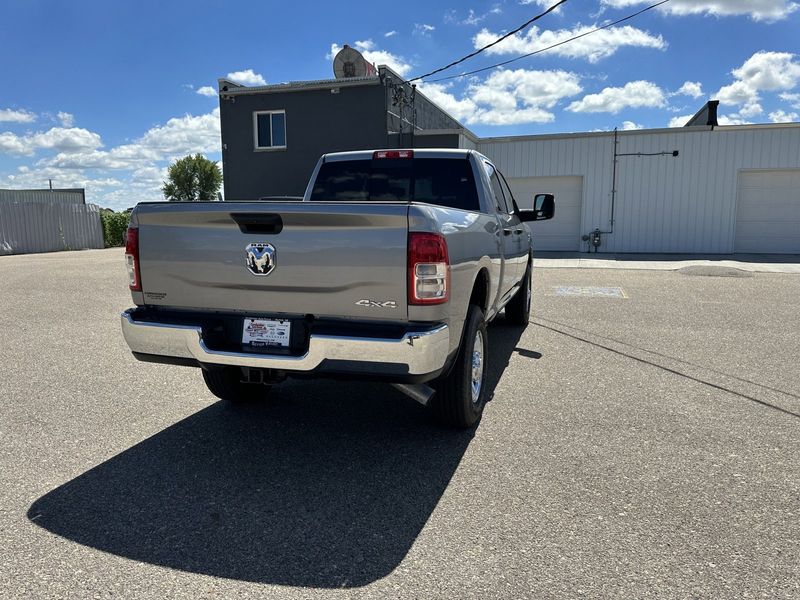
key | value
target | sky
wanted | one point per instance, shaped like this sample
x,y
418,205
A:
x,y
105,94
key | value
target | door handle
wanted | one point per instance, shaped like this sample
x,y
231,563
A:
x,y
518,231
506,232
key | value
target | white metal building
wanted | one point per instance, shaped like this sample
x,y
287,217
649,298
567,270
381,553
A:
x,y
729,189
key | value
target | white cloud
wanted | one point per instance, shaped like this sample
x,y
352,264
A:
x,y
10,115
751,110
185,135
631,126
423,29
246,77
179,136
390,33
472,17
758,10
68,140
762,72
542,3
679,121
769,71
376,56
66,119
781,116
594,48
462,109
792,99
732,120
207,90
634,94
117,177
690,88
507,97
25,177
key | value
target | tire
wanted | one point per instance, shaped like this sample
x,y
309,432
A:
x,y
226,384
455,404
518,310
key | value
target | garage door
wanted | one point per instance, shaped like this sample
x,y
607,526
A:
x,y
768,212
563,232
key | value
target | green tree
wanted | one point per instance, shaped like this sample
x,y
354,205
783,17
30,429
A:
x,y
192,178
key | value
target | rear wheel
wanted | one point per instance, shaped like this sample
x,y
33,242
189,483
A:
x,y
461,395
518,310
227,384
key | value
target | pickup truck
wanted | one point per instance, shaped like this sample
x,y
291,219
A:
x,y
389,268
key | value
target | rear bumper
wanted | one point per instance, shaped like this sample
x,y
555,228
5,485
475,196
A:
x,y
416,354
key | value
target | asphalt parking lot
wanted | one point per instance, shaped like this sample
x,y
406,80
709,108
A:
x,y
640,443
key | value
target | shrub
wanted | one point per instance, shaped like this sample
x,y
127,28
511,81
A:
x,y
114,227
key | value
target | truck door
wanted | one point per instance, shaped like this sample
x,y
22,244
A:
x,y
521,236
509,241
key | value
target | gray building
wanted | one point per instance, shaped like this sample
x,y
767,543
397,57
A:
x,y
702,188
273,135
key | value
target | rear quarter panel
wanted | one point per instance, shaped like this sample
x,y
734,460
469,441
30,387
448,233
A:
x,y
471,246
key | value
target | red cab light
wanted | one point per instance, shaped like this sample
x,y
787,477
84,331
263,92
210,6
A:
x,y
132,259
428,269
393,154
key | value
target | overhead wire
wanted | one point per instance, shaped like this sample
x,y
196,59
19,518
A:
x,y
540,50
487,46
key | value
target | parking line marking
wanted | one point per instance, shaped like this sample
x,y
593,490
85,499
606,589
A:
x,y
589,291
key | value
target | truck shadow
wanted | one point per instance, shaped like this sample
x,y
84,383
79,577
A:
x,y
326,485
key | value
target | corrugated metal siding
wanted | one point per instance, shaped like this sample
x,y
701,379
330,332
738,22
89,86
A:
x,y
465,142
664,204
44,196
27,227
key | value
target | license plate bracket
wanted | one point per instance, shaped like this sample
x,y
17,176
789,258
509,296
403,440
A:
x,y
266,333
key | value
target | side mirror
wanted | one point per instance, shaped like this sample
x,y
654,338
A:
x,y
544,207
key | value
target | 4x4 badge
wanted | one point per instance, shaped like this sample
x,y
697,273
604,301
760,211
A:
x,y
260,258
375,304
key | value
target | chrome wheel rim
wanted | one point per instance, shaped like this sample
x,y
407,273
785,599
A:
x,y
477,367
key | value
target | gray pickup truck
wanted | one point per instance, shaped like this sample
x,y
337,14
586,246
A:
x,y
388,268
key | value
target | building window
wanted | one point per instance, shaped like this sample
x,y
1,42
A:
x,y
269,129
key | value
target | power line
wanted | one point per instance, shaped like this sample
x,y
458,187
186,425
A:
x,y
497,41
561,43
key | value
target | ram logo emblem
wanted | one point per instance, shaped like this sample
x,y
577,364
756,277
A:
x,y
260,258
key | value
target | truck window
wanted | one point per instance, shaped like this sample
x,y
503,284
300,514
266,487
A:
x,y
442,181
497,189
511,203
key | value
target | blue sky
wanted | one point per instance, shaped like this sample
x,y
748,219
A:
x,y
104,94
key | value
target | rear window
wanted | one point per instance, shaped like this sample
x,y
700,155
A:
x,y
442,181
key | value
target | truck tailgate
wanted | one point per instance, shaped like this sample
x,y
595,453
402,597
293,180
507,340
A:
x,y
330,259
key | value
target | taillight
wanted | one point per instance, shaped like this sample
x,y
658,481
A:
x,y
393,154
428,269
132,259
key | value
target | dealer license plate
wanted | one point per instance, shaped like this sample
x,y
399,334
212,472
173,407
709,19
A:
x,y
260,333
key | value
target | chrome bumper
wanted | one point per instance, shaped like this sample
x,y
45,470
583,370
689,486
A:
x,y
422,352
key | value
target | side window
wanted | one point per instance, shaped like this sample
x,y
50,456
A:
x,y
510,202
269,129
500,199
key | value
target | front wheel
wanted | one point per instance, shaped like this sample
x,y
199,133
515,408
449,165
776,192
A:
x,y
518,310
461,395
226,383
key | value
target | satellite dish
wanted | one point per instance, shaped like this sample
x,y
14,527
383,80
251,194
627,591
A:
x,y
350,63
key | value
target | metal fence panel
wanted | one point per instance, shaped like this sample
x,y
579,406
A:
x,y
75,196
27,227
